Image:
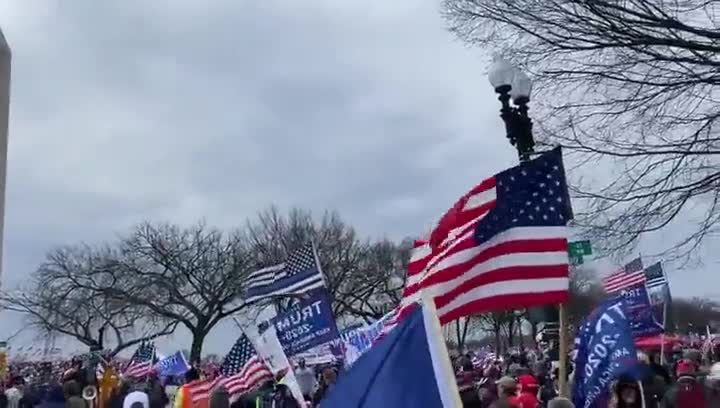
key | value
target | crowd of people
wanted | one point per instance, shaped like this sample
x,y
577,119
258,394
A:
x,y
519,380
686,380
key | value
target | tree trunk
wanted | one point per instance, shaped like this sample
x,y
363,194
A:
x,y
197,345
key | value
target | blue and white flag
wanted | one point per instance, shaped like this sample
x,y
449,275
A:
x,y
408,368
605,351
173,365
299,274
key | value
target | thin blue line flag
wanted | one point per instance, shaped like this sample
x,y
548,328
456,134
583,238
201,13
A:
x,y
408,368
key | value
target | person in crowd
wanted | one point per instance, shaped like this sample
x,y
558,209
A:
x,y
54,398
329,377
560,402
507,394
712,386
659,369
306,379
626,394
687,392
156,392
654,387
183,398
136,399
219,398
73,395
528,387
15,393
3,397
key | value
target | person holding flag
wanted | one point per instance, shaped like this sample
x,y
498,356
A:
x,y
605,353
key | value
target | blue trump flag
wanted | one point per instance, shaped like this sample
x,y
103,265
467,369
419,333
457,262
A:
x,y
605,351
640,312
409,368
173,365
306,325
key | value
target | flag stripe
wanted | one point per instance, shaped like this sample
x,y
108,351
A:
x,y
621,280
502,245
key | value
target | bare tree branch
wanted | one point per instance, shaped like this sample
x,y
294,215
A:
x,y
632,85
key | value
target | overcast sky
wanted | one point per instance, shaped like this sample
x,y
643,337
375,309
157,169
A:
x,y
132,110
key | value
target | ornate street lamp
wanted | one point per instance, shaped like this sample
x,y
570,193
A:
x,y
511,83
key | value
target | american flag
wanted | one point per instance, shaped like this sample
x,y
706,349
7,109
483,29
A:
x,y
142,361
299,274
503,245
242,370
629,276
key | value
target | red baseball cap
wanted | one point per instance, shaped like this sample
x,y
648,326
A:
x,y
527,381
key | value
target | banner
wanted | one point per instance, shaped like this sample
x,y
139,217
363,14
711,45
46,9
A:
x,y
640,312
359,340
172,366
605,351
306,325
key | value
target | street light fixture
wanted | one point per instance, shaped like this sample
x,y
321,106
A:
x,y
511,83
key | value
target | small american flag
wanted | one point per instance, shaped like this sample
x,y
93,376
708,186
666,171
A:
x,y
142,361
629,276
242,370
503,245
299,274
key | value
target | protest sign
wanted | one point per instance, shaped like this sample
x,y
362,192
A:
x,y
306,325
640,312
605,351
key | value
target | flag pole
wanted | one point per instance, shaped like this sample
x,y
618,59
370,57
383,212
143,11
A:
x,y
662,336
563,351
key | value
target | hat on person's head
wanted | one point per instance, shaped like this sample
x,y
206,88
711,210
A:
x,y
507,382
136,399
528,382
685,367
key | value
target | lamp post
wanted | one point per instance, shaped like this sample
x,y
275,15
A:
x,y
510,83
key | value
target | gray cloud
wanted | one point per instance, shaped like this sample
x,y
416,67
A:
x,y
133,110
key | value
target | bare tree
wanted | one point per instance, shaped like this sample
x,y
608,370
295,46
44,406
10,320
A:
x,y
193,276
53,303
634,83
364,279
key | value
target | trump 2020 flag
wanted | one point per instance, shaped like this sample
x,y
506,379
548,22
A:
x,y
605,352
408,368
173,365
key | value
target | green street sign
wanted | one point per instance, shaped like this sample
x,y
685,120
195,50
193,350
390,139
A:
x,y
580,248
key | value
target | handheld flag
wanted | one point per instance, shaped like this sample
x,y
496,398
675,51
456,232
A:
x,y
299,274
503,245
629,276
173,365
141,362
407,368
605,351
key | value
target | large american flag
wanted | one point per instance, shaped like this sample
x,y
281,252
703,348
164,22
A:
x,y
242,370
503,245
629,276
299,274
142,361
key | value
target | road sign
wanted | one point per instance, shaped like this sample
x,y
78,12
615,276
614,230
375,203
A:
x,y
581,248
